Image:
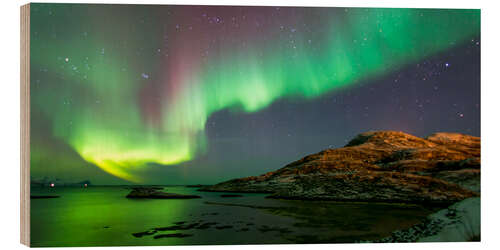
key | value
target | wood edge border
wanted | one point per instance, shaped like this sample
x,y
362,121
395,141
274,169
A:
x,y
25,124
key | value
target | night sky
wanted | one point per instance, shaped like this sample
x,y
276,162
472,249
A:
x,y
201,94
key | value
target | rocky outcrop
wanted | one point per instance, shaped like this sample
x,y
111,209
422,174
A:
x,y
384,166
155,193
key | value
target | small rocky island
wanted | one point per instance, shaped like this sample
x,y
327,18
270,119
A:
x,y
387,166
156,193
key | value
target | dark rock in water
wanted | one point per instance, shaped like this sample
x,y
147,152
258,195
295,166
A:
x,y
196,186
155,193
176,235
179,223
265,229
215,213
44,196
170,228
206,225
178,227
384,166
224,227
140,234
231,195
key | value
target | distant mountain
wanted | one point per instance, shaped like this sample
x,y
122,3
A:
x,y
47,182
384,166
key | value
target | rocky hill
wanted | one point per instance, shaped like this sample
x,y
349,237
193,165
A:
x,y
384,166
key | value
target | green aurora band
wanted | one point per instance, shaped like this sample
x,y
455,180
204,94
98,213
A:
x,y
102,121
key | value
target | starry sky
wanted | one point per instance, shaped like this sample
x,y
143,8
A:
x,y
156,94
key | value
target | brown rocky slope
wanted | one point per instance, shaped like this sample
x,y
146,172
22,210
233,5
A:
x,y
385,166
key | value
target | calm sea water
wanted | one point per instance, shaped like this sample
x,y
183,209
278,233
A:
x,y
102,216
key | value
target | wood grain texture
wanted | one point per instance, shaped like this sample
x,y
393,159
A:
x,y
25,124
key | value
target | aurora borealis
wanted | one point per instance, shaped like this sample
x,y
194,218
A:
x,y
145,93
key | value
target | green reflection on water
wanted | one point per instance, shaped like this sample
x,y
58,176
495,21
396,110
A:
x,y
102,216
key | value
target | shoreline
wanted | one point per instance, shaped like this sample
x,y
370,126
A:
x,y
459,222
